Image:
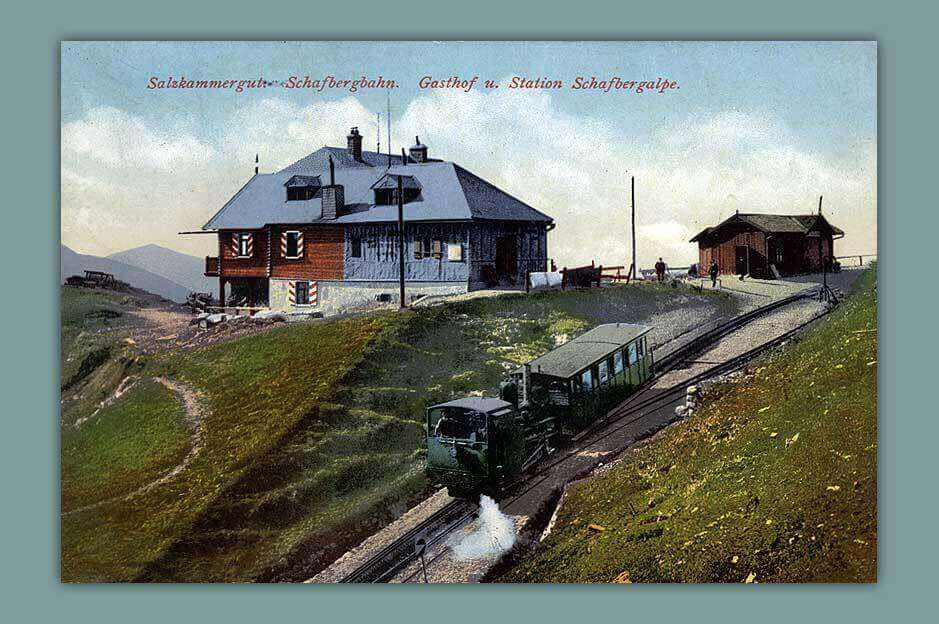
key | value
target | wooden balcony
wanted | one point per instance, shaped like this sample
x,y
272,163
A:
x,y
211,266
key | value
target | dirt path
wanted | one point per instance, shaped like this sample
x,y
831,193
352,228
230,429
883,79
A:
x,y
195,411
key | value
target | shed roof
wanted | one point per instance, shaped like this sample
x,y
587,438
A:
x,y
586,349
772,224
480,404
448,193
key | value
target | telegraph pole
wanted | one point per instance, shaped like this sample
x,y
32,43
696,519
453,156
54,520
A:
x,y
635,269
401,239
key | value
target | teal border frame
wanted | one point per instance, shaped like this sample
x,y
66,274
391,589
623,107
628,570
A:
x,y
907,432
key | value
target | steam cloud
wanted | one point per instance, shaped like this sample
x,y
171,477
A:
x,y
494,535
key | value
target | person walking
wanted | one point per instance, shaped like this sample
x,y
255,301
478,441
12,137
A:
x,y
660,270
713,271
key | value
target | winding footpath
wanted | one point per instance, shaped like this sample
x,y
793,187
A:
x,y
195,411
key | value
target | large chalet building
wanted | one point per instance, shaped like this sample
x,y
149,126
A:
x,y
322,234
768,245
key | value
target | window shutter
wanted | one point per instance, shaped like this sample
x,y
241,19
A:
x,y
234,244
312,296
283,247
292,293
251,245
300,244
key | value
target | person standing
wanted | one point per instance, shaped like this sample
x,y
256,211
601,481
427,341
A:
x,y
660,270
713,271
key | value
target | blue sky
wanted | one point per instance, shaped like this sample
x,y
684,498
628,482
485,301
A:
x,y
754,126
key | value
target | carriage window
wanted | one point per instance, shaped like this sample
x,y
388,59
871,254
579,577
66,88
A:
x,y
617,362
604,372
586,380
633,357
641,346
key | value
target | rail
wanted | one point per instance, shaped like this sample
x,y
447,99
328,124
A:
x,y
404,550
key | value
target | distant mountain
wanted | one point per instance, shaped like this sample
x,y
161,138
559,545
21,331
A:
x,y
177,267
74,263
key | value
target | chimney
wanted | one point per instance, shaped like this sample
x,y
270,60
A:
x,y
354,143
333,195
418,151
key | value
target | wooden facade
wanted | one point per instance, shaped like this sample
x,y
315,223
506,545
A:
x,y
768,246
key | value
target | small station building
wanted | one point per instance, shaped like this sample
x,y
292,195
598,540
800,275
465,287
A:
x,y
768,245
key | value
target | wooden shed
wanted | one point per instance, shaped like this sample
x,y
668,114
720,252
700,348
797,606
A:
x,y
768,245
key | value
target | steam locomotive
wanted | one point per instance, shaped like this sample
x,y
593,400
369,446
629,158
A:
x,y
481,445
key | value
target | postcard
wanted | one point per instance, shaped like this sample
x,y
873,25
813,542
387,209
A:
x,y
468,312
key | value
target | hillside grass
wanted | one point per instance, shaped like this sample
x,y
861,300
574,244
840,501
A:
x,y
86,340
357,462
315,435
257,388
772,480
126,445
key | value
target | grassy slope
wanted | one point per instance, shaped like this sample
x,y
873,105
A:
x,y
310,443
126,445
722,495
258,388
348,467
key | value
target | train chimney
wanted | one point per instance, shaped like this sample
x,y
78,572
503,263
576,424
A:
x,y
354,143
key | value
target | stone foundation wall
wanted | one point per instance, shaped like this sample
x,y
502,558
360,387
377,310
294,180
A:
x,y
335,297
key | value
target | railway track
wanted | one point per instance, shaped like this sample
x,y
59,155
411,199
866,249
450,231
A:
x,y
406,549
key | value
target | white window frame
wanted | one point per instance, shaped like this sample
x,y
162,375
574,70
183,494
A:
x,y
243,238
287,255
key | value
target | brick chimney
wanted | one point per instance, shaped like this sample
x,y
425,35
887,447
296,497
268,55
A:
x,y
354,143
333,195
418,151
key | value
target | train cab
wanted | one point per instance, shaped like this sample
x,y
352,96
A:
x,y
473,443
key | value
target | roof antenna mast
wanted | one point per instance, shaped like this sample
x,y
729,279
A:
x,y
388,120
819,205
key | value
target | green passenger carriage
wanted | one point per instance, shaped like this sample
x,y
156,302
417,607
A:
x,y
480,445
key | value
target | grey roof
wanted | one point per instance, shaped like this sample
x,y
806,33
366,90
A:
x,y
586,349
773,223
480,404
448,193
303,180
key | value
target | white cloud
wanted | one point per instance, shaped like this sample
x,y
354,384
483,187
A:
x,y
119,174
112,138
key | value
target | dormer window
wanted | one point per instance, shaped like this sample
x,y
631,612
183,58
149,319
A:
x,y
386,190
302,187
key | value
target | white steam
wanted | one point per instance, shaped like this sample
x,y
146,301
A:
x,y
493,536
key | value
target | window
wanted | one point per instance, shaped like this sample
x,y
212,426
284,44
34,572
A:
x,y
617,362
778,254
604,372
454,252
303,293
422,248
356,247
436,248
641,346
586,381
461,424
244,245
300,193
633,357
293,245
